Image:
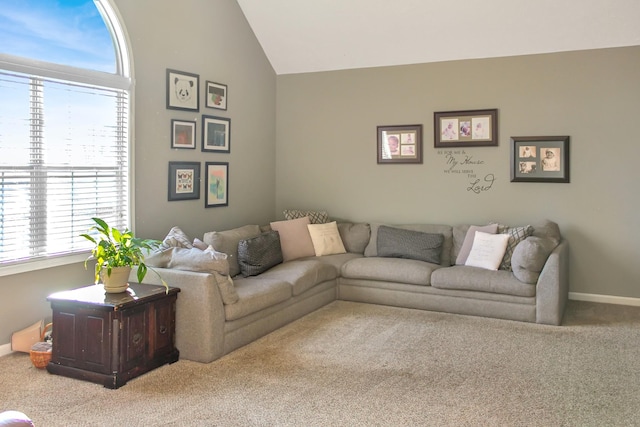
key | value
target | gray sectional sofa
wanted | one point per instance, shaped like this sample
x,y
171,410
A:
x,y
215,316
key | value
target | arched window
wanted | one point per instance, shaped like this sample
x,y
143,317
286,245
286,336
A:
x,y
64,129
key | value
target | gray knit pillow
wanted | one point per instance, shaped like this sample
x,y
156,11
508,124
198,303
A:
x,y
400,243
259,253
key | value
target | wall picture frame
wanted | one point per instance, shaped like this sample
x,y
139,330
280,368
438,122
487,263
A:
x,y
183,134
470,128
216,134
183,90
540,159
216,95
216,184
184,181
399,144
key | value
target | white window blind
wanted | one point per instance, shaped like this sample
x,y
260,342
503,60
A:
x,y
63,159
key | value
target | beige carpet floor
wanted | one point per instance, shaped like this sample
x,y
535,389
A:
x,y
351,364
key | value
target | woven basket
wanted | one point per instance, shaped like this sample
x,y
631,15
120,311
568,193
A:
x,y
40,353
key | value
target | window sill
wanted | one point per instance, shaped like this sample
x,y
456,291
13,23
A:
x,y
27,266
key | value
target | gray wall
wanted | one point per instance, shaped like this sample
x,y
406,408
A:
x,y
326,150
211,39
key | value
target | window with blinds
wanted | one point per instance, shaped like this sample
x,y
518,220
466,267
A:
x,y
64,153
64,160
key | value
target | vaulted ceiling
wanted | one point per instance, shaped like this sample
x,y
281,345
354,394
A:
x,y
301,36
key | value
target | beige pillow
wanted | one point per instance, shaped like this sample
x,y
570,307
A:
x,y
326,239
295,239
487,250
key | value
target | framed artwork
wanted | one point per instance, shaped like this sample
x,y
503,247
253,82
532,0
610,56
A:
x,y
216,94
182,90
473,128
183,134
217,184
540,159
216,134
400,144
184,180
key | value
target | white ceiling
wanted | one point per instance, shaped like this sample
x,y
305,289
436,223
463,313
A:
x,y
301,36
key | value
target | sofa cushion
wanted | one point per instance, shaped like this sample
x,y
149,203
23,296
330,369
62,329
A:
x,y
302,274
529,257
227,242
446,230
399,243
315,217
487,250
398,270
467,242
326,239
355,236
516,235
256,293
294,238
260,253
479,279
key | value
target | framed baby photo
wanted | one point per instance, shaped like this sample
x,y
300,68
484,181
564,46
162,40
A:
x,y
216,94
183,134
184,180
472,128
399,144
182,90
540,159
217,184
216,134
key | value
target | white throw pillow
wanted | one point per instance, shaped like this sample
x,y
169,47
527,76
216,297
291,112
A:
x,y
487,250
326,239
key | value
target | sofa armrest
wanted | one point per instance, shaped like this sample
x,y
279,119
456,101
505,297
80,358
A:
x,y
199,312
552,289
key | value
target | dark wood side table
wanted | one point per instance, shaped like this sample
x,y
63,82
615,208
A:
x,y
111,338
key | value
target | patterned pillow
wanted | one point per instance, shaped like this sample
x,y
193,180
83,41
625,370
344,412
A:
x,y
516,235
176,239
314,217
401,243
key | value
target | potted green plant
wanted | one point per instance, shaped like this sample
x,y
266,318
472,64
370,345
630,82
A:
x,y
115,253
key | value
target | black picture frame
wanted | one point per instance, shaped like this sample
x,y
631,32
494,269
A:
x,y
184,181
216,134
399,144
216,95
183,90
540,159
216,184
470,128
183,134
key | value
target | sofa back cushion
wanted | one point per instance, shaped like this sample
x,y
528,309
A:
x,y
445,230
355,236
227,242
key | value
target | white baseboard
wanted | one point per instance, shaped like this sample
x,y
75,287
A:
x,y
606,299
5,349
